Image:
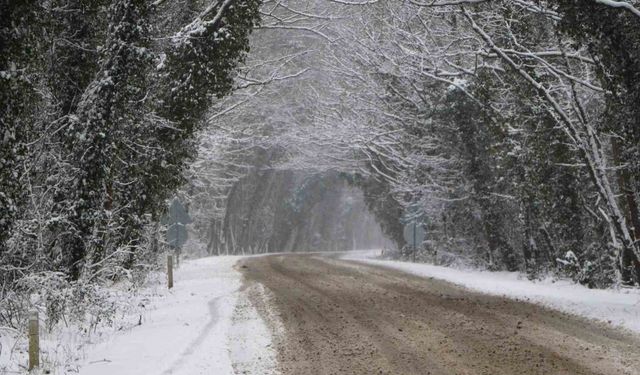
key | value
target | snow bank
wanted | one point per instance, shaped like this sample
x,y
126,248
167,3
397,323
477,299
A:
x,y
618,307
190,321
190,329
250,339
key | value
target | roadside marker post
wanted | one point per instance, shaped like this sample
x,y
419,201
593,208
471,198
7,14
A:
x,y
415,244
34,340
170,270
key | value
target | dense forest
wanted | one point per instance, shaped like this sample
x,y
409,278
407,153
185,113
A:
x,y
513,125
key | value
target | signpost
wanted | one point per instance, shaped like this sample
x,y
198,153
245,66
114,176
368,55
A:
x,y
414,233
170,271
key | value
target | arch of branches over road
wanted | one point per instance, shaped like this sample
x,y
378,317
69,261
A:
x,y
513,125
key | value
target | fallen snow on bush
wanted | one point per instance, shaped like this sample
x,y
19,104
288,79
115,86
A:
x,y
617,307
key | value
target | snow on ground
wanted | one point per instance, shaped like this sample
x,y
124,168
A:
x,y
204,325
250,341
192,331
618,307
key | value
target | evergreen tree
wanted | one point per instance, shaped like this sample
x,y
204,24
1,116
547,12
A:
x,y
613,36
18,58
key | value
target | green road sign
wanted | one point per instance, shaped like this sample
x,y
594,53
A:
x,y
176,219
414,234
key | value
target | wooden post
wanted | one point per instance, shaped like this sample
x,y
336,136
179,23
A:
x,y
170,270
34,341
415,246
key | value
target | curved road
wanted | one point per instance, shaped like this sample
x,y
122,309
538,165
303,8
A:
x,y
342,317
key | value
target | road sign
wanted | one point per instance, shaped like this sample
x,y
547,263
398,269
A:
x,y
413,213
177,235
176,219
414,233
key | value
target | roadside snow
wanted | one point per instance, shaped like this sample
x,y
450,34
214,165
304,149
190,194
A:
x,y
191,331
204,325
618,307
250,340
